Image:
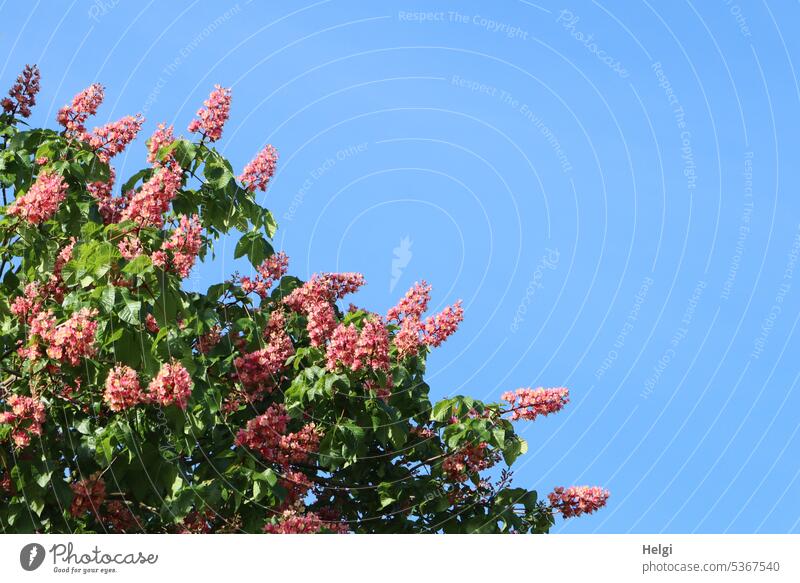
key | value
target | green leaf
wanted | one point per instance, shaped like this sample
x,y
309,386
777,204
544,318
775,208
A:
x,y
139,265
217,174
256,247
130,310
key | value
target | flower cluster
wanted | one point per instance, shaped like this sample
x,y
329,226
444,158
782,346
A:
x,y
212,118
470,460
372,348
578,500
197,522
413,331
88,495
42,199
22,95
25,417
292,521
163,136
150,324
209,340
267,435
171,385
110,207
342,346
74,339
259,170
315,299
183,245
111,139
73,116
257,370
271,270
296,484
118,517
412,305
147,206
323,287
530,403
440,327
122,388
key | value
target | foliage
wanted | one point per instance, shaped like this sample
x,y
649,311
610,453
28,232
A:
x,y
132,405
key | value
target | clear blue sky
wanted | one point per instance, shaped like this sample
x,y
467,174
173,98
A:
x,y
613,191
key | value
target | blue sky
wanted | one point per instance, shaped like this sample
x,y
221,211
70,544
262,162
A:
x,y
611,187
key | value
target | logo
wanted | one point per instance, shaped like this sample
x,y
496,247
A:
x,y
31,556
402,257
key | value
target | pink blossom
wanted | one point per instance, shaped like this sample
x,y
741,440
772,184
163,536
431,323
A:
x,y
529,403
342,347
150,324
29,303
26,417
163,136
148,205
292,521
111,139
268,435
122,388
327,287
438,328
407,339
413,304
197,522
296,484
259,170
74,116
321,322
42,326
64,256
372,348
209,340
257,370
75,338
110,207
183,245
578,500
172,385
22,95
271,270
118,516
42,199
212,118
88,495
130,247
314,299
468,461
